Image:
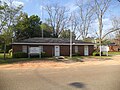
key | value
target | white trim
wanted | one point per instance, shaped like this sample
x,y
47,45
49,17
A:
x,y
57,51
52,44
86,50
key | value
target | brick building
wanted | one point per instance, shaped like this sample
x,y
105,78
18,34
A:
x,y
54,46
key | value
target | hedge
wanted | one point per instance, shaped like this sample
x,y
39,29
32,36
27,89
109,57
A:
x,y
20,55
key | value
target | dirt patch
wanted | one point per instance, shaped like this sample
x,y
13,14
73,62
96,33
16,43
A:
x,y
115,60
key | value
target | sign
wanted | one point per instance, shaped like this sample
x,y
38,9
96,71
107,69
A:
x,y
34,50
104,48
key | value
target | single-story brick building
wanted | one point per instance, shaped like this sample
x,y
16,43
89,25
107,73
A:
x,y
53,46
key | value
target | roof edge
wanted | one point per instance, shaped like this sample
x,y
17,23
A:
x,y
52,43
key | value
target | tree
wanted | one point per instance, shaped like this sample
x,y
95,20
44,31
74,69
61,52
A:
x,y
84,18
8,14
21,26
47,30
57,18
116,24
27,27
66,34
1,16
101,8
89,39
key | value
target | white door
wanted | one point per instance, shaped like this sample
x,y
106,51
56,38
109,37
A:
x,y
57,51
86,50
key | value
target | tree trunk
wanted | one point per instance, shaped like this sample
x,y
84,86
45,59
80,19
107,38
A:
x,y
100,30
100,45
4,51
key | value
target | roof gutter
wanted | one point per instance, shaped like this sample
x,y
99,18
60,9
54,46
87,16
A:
x,y
52,43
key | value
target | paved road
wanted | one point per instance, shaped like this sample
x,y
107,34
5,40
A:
x,y
76,78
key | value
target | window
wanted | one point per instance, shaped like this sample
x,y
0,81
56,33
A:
x,y
24,49
76,49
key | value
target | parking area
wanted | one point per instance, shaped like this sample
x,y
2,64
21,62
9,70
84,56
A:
x,y
95,77
44,75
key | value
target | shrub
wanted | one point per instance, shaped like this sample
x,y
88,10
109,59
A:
x,y
1,51
20,55
96,54
43,54
76,54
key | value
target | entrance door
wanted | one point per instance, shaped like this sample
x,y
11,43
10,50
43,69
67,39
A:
x,y
57,51
86,50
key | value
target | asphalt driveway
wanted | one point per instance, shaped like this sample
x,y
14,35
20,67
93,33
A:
x,y
97,77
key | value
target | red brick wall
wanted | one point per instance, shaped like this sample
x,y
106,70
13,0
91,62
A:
x,y
49,50
91,49
113,48
17,48
64,50
73,49
81,50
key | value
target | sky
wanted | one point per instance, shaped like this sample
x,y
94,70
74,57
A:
x,y
33,7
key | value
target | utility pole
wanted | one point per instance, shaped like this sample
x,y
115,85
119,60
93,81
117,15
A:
x,y
71,37
70,44
42,19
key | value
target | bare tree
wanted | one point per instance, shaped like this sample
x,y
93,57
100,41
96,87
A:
x,y
84,18
101,8
57,18
116,24
73,23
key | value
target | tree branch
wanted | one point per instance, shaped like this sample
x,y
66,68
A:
x,y
111,30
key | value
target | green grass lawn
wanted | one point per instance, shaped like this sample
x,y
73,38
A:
x,y
9,59
8,56
110,54
114,53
